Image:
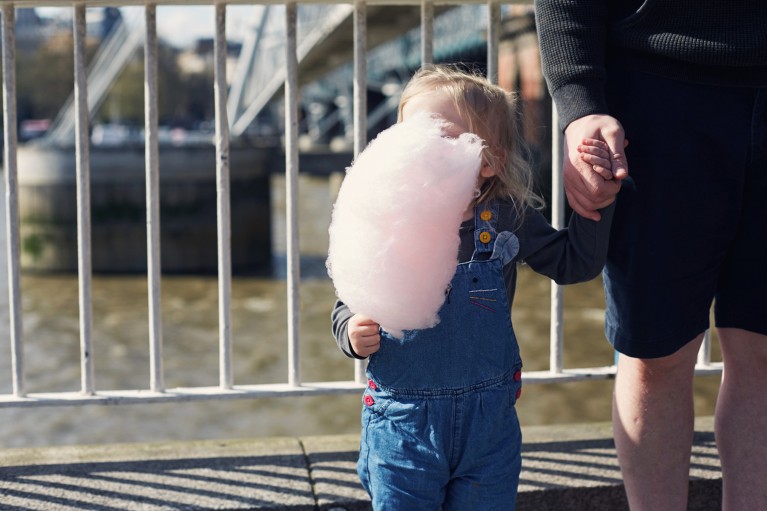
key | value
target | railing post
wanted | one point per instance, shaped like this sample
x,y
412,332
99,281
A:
x,y
82,145
10,139
291,171
493,39
151,154
704,354
360,109
556,333
427,33
223,203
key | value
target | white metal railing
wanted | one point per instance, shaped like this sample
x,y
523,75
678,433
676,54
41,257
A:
x,y
227,389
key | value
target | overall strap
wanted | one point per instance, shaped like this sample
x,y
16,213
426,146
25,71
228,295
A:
x,y
485,219
487,240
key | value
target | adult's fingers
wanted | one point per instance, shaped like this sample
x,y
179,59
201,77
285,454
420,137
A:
x,y
616,140
580,196
588,184
586,197
583,178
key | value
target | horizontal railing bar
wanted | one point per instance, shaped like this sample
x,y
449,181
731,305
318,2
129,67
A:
x,y
184,394
599,373
142,3
181,394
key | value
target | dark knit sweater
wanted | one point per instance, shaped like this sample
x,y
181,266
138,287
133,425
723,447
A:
x,y
722,42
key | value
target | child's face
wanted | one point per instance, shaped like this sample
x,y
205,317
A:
x,y
440,105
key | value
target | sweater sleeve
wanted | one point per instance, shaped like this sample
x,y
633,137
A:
x,y
568,256
572,36
339,319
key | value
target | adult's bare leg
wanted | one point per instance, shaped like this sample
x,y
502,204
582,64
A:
x,y
741,420
653,418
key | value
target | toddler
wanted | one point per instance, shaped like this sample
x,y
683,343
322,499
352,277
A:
x,y
439,426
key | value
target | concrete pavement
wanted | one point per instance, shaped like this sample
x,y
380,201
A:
x,y
570,467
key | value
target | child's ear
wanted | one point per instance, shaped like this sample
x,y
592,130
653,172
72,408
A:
x,y
486,170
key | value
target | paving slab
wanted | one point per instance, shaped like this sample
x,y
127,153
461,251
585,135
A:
x,y
333,471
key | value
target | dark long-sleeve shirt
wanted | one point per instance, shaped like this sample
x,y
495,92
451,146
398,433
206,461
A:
x,y
721,42
574,254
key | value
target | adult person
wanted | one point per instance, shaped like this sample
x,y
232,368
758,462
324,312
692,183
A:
x,y
686,82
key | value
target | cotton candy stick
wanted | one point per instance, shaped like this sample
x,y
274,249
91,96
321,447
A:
x,y
393,245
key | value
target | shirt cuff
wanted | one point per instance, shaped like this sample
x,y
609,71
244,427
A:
x,y
576,100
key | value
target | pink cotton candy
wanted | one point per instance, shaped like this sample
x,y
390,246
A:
x,y
394,231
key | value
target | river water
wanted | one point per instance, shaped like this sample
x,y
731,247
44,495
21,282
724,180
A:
x,y
190,333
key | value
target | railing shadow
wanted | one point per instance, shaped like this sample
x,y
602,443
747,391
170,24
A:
x,y
585,475
248,482
311,473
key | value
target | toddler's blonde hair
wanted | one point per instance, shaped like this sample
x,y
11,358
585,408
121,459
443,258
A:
x,y
491,113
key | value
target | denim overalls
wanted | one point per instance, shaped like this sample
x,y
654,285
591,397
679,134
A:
x,y
439,428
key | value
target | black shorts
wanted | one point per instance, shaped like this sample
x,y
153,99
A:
x,y
693,228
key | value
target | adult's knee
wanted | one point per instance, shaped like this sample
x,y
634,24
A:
x,y
743,352
678,365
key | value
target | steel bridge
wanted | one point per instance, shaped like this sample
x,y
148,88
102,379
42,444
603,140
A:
x,y
324,46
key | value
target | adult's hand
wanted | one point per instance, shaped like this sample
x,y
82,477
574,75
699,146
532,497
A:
x,y
587,190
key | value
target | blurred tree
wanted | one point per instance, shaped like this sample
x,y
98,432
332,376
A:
x,y
44,78
182,99
124,103
44,82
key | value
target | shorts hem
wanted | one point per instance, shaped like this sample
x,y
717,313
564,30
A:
x,y
729,318
664,347
749,328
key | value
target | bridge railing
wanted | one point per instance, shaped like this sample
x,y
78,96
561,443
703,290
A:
x,y
227,388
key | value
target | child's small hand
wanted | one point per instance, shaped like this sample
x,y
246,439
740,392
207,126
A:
x,y
597,154
364,335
